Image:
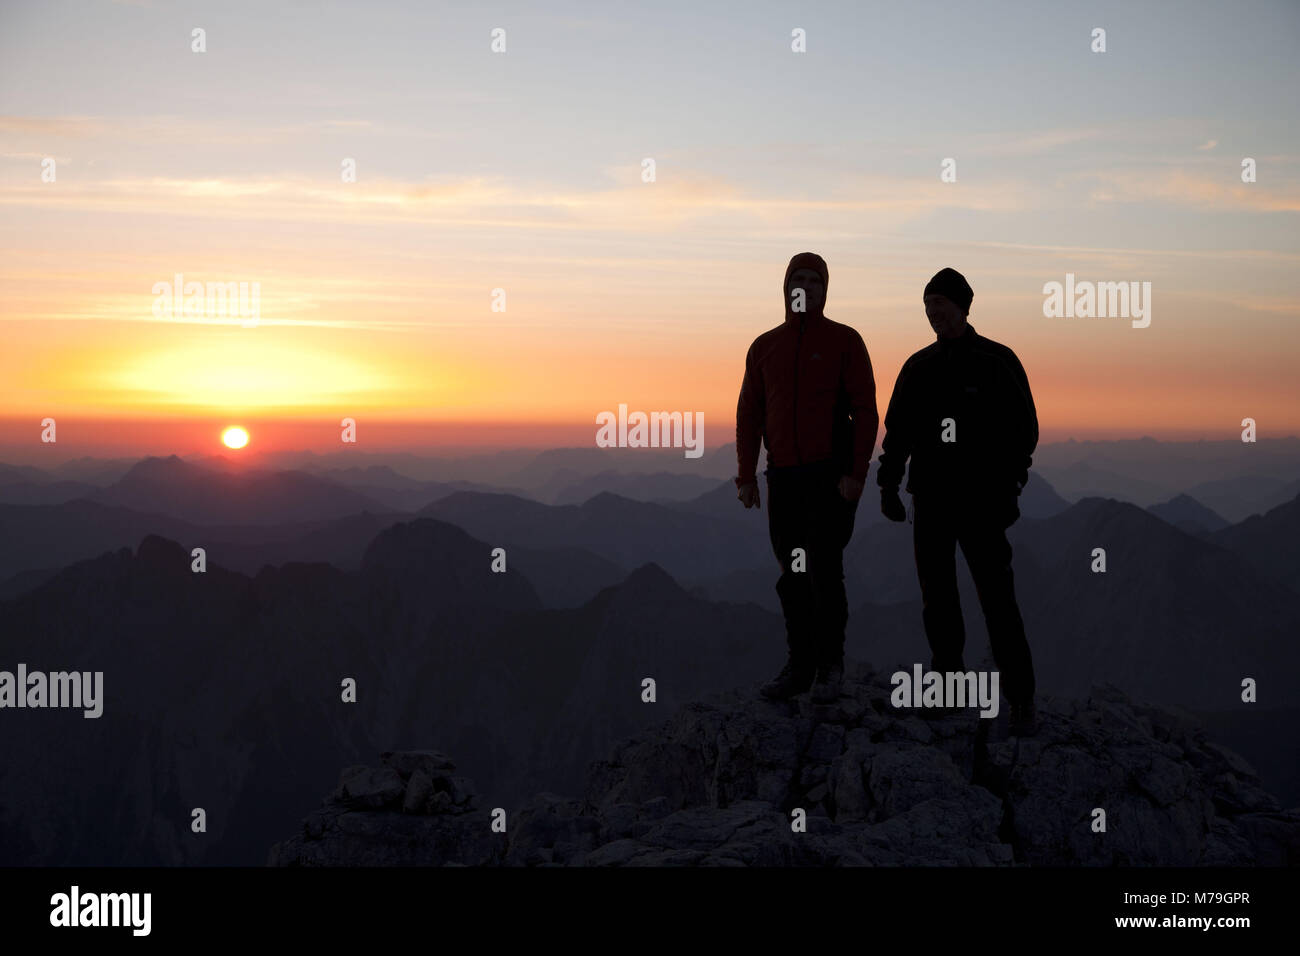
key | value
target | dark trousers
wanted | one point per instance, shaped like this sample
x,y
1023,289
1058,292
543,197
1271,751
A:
x,y
806,510
937,528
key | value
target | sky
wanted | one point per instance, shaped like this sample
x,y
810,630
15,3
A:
x,y
523,171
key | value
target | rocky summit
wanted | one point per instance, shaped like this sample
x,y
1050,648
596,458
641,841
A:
x,y
721,782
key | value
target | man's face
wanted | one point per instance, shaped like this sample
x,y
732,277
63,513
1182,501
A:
x,y
814,292
947,320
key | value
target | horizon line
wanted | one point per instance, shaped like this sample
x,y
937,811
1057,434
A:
x,y
254,456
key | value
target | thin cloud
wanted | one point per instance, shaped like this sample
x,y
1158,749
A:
x,y
626,205
66,126
1179,187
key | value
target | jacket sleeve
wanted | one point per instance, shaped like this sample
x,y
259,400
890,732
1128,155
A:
x,y
860,383
750,412
896,446
1025,415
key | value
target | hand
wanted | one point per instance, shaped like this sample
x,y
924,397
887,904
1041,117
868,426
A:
x,y
850,488
748,494
891,506
1006,512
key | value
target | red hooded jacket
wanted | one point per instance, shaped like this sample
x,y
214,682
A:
x,y
808,394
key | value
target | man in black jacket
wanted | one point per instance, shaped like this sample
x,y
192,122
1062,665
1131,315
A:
x,y
963,413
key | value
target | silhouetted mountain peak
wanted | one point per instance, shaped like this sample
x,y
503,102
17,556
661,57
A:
x,y
156,468
1096,513
161,553
652,580
1123,527
233,495
1095,504
649,586
607,501
1269,542
476,501
373,473
404,544
1185,512
442,565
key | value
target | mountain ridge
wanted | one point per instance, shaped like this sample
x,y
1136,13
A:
x,y
719,782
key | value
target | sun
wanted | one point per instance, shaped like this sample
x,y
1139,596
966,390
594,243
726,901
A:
x,y
234,437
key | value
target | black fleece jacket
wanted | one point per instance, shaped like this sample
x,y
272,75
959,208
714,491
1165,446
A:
x,y
981,386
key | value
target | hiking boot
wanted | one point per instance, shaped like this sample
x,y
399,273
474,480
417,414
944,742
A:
x,y
1024,720
826,683
793,679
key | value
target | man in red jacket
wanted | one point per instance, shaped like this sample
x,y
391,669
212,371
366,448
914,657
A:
x,y
810,397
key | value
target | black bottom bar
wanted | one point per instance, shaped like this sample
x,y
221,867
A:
x,y
384,905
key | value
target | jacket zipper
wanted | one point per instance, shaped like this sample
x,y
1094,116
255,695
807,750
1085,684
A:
x,y
797,346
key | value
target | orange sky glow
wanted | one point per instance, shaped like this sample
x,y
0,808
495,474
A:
x,y
497,275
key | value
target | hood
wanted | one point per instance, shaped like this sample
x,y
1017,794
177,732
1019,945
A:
x,y
804,260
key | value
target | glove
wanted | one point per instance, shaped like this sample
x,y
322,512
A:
x,y
850,488
891,506
748,494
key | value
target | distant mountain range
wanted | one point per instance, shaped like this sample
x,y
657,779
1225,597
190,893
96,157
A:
x,y
247,520
1187,514
222,689
1269,543
442,648
1231,478
179,489
661,486
432,637
21,485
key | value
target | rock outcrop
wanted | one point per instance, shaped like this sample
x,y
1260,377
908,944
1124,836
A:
x,y
723,780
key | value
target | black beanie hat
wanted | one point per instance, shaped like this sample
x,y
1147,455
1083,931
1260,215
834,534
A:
x,y
953,286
